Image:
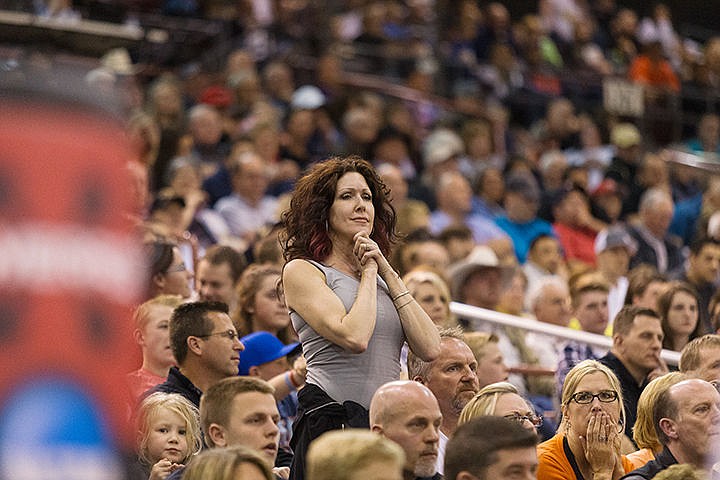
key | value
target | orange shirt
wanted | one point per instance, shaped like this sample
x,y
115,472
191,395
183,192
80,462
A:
x,y
647,72
554,465
641,457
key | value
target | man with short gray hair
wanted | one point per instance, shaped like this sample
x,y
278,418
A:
x,y
451,377
687,421
656,246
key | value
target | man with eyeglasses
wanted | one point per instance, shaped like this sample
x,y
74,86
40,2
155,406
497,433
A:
x,y
635,355
206,346
687,421
489,447
408,413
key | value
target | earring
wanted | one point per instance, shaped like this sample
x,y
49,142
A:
x,y
621,426
327,227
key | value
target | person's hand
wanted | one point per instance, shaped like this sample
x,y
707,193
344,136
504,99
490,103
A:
x,y
282,472
367,252
602,443
163,468
299,370
659,371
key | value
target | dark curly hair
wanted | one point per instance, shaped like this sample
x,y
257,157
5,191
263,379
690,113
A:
x,y
305,234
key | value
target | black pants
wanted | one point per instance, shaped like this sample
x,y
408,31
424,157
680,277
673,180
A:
x,y
317,414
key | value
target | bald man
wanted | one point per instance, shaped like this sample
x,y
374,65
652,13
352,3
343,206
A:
x,y
408,413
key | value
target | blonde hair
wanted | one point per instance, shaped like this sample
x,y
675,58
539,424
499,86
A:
x,y
575,376
177,404
644,432
681,471
478,341
141,317
221,463
216,402
483,403
420,276
336,455
691,355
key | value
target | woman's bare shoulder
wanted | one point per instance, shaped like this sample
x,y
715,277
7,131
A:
x,y
299,269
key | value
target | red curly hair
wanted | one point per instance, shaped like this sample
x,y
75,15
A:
x,y
305,232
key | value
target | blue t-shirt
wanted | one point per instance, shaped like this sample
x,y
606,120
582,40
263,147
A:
x,y
522,234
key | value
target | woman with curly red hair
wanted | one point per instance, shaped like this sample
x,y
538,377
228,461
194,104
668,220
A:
x,y
349,307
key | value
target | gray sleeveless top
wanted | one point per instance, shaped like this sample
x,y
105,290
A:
x,y
353,376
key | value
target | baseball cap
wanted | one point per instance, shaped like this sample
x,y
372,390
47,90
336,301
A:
x,y
607,187
217,96
261,348
625,135
441,145
307,97
615,237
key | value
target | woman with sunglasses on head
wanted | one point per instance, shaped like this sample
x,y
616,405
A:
x,y
168,273
501,399
588,442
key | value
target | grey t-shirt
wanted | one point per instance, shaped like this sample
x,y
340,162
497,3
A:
x,y
340,373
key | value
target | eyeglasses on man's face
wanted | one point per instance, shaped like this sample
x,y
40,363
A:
x,y
229,334
605,396
532,418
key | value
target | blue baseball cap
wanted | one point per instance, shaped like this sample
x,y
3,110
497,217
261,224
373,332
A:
x,y
261,348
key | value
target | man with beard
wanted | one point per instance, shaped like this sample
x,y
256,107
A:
x,y
407,413
451,377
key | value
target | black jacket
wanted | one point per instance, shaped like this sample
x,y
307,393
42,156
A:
x,y
319,413
178,383
662,461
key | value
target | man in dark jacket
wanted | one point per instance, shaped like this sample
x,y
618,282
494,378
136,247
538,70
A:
x,y
687,421
637,342
206,346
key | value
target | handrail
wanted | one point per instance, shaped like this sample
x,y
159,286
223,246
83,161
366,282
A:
x,y
485,315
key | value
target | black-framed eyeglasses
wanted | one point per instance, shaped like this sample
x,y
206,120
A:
x,y
605,396
181,267
716,384
532,418
229,334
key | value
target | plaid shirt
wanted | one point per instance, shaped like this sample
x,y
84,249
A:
x,y
573,353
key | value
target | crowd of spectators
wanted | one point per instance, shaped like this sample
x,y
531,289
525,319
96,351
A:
x,y
515,191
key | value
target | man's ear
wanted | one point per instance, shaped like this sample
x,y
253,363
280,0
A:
x,y
618,341
217,435
194,346
254,371
375,428
669,427
419,379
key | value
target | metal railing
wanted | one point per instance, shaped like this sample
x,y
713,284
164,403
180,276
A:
x,y
478,314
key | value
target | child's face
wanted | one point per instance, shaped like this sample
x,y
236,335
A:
x,y
167,437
